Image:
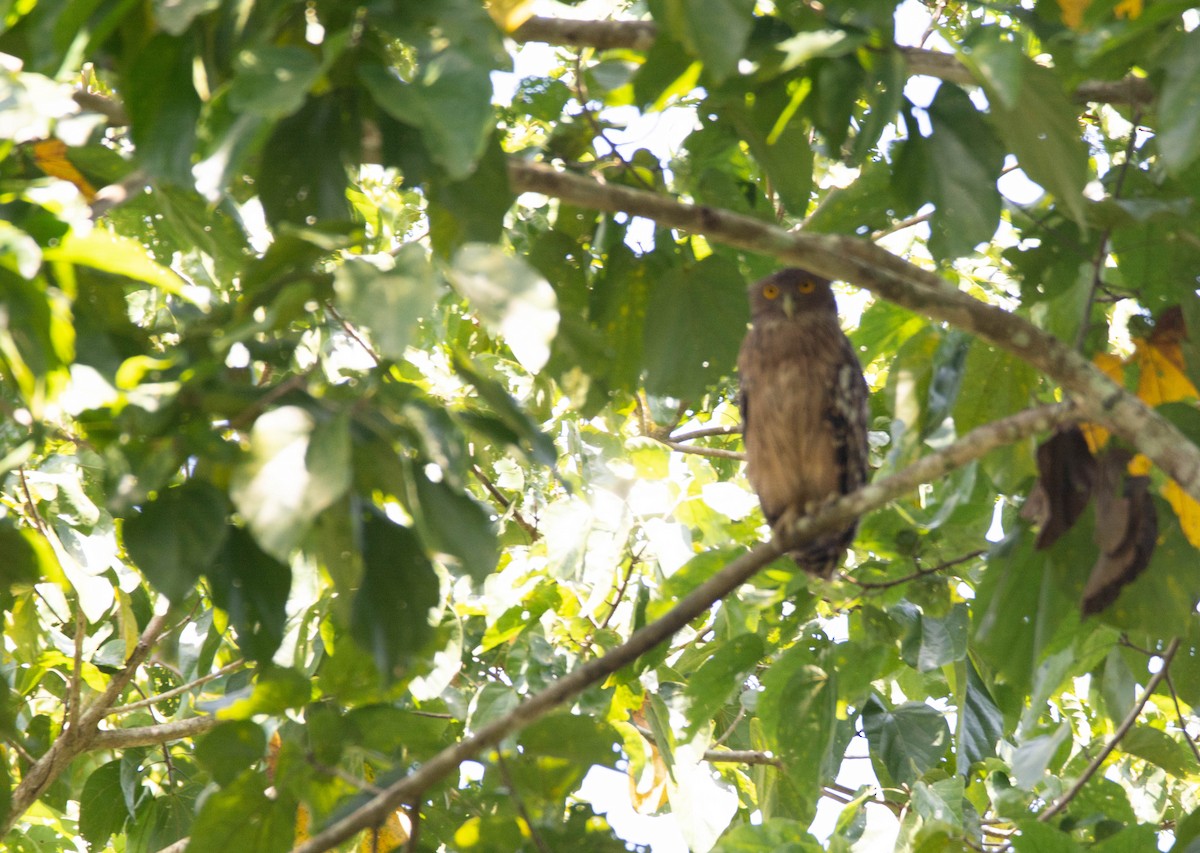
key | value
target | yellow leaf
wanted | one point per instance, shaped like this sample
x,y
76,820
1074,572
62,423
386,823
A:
x,y
1112,367
1072,11
510,14
391,836
1186,509
50,155
1131,9
1161,378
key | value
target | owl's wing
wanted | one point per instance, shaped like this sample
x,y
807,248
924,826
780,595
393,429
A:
x,y
847,418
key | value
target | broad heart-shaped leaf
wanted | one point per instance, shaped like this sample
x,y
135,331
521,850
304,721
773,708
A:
x,y
161,98
511,297
275,690
713,31
102,809
455,138
798,708
252,587
1178,138
399,588
906,741
694,325
241,816
720,677
387,303
776,835
177,536
452,522
272,81
1038,123
779,143
296,468
980,724
230,748
956,168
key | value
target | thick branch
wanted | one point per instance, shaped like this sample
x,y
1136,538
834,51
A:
x,y
832,517
151,735
640,35
874,268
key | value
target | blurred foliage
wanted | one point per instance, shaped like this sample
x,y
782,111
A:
x,y
284,356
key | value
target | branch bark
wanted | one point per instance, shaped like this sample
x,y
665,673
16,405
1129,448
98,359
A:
x,y
77,737
640,35
869,266
832,517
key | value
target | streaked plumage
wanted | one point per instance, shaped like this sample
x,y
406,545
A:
x,y
804,407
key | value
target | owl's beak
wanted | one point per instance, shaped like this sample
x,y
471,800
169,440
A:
x,y
789,305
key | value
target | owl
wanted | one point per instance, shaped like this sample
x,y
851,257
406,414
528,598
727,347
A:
x,y
804,408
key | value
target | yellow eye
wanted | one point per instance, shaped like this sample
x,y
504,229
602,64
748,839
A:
x,y
805,286
770,291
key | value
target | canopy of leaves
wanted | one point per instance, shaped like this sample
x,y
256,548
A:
x,y
368,385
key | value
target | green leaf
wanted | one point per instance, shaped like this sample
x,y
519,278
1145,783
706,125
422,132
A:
x,y
1038,837
1178,138
471,209
1036,121
19,558
995,385
454,523
455,138
296,468
387,303
303,176
940,802
581,740
1159,748
956,168
241,816
177,536
391,610
113,253
275,690
524,432
175,16
906,741
776,835
161,98
687,349
713,31
511,297
798,711
230,748
944,640
272,81
721,677
778,140
981,725
102,810
252,587
1033,757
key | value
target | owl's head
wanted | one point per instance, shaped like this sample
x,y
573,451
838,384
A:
x,y
791,293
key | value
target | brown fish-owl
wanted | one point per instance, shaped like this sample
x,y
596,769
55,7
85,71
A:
x,y
804,408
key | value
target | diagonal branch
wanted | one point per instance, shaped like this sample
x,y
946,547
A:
x,y
1122,730
874,268
831,517
641,35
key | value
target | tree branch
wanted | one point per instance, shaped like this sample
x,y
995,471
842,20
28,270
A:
x,y
176,691
834,516
78,738
874,268
151,735
640,35
1123,729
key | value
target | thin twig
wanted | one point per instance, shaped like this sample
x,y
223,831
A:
x,y
509,508
713,452
73,696
176,691
917,575
1179,716
1122,730
705,432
